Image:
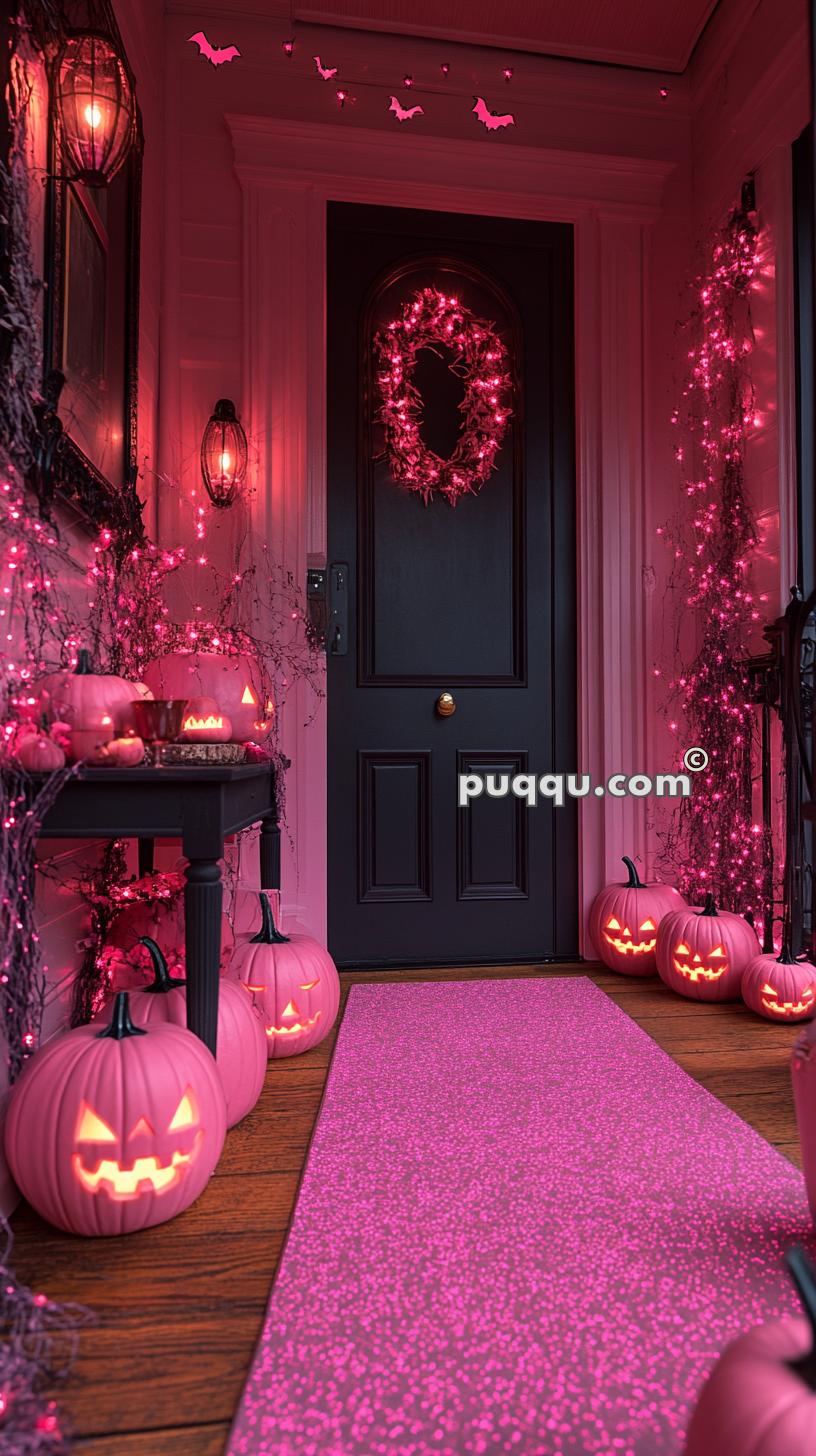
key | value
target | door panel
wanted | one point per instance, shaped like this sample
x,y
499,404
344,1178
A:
x,y
478,599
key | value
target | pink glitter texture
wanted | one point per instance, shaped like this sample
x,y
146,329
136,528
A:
x,y
521,1229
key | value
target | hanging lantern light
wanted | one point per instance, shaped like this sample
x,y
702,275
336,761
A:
x,y
223,454
96,108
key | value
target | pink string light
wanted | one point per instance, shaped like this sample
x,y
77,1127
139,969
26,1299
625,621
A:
x,y
717,845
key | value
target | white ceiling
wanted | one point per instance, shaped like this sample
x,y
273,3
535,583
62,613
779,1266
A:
x,y
656,34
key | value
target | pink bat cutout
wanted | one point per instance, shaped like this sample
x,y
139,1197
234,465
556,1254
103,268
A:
x,y
216,55
327,72
403,114
491,119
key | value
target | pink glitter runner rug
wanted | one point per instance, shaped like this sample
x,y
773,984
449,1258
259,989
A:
x,y
521,1229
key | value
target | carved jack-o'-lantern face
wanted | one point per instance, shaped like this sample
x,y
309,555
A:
x,y
624,942
694,967
293,1021
136,1170
786,1009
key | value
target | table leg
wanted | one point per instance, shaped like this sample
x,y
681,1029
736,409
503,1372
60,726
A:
x,y
146,850
270,854
203,894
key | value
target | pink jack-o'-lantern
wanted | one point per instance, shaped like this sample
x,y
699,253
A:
x,y
83,697
232,681
779,987
702,953
294,982
624,921
116,1130
204,722
240,1041
760,1398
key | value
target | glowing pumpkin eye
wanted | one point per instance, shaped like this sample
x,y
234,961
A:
x,y
613,924
142,1129
717,953
806,995
185,1114
91,1129
310,985
648,925
768,990
682,949
248,987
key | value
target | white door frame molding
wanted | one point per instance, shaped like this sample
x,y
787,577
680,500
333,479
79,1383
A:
x,y
288,172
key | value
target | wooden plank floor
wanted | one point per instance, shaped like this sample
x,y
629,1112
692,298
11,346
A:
x,y
179,1308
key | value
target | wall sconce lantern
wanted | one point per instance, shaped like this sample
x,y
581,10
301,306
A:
x,y
96,108
223,454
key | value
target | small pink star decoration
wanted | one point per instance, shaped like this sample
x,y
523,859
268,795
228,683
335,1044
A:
x,y
433,319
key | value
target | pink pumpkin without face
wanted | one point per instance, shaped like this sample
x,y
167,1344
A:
x,y
116,1130
294,983
780,988
624,921
240,1042
702,954
83,697
755,1403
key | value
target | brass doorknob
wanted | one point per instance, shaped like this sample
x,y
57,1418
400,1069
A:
x,y
445,705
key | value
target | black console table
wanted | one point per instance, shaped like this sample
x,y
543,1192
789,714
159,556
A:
x,y
202,806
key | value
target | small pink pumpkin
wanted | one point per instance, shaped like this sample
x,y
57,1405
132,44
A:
x,y
779,987
624,921
240,1041
125,752
294,982
702,953
115,1130
37,753
760,1398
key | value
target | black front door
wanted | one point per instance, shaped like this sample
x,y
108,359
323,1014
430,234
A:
x,y
476,601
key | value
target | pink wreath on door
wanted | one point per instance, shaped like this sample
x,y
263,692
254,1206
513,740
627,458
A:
x,y
431,319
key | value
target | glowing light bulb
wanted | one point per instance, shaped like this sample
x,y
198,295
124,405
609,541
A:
x,y
224,462
93,115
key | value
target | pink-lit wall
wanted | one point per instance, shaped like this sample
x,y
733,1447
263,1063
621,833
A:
x,y
61,917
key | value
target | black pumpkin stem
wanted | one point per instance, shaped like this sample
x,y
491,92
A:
x,y
709,908
634,882
268,933
121,1024
803,1273
785,958
84,667
162,980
